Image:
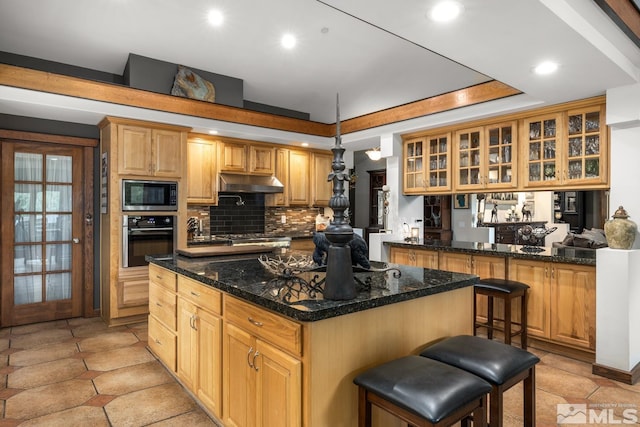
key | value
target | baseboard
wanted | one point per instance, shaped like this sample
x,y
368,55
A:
x,y
630,377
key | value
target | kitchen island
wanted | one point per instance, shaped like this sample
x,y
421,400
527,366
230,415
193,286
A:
x,y
562,295
254,354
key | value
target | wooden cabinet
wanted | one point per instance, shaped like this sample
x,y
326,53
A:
x,y
299,185
415,257
561,301
566,149
321,188
414,177
427,164
486,157
242,156
282,173
162,315
262,383
202,182
150,152
200,342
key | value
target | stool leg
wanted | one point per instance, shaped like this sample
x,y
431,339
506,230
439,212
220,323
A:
x,y
530,398
523,321
475,313
507,320
364,408
490,316
495,406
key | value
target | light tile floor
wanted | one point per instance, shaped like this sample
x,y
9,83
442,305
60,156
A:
x,y
79,372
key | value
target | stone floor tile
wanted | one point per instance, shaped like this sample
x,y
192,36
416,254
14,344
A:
x,y
107,341
82,321
43,354
563,383
195,418
37,327
40,338
4,344
574,366
618,399
131,378
5,332
79,416
118,358
48,399
547,408
95,328
46,373
149,405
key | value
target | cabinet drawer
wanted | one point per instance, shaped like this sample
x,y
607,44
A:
x,y
162,304
162,276
201,295
162,342
271,327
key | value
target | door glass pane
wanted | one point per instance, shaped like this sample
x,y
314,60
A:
x,y
27,289
28,197
58,227
28,228
58,198
58,286
58,257
28,167
58,168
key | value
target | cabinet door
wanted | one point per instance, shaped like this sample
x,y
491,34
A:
x,y
282,173
233,157
573,305
458,263
501,156
403,256
262,160
586,152
426,259
299,178
278,387
167,153
134,150
209,389
201,173
541,150
438,163
322,188
187,343
414,179
468,164
536,275
239,378
162,342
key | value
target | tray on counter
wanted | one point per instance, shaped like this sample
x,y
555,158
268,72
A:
x,y
218,250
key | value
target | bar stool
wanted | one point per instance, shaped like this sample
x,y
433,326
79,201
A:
x,y
500,364
422,392
506,290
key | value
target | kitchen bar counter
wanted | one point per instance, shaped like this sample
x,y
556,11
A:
x,y
247,279
563,255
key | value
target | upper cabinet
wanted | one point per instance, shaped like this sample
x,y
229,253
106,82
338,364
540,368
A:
x,y
566,149
150,152
299,184
322,189
202,184
243,157
414,166
486,157
427,163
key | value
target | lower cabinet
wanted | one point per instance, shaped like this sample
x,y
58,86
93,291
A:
x,y
162,315
415,257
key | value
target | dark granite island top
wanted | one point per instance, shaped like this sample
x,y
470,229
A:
x,y
248,279
565,255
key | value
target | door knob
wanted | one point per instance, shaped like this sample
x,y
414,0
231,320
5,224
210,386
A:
x,y
76,240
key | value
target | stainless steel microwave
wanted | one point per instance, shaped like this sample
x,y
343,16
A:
x,y
139,195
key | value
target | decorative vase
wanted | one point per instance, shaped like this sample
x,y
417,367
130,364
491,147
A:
x,y
620,231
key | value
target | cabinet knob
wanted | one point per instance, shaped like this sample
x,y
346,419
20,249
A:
x,y
255,322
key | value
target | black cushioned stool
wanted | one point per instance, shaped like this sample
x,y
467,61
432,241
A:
x,y
422,392
506,290
500,364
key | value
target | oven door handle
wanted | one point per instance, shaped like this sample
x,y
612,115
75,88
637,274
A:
x,y
149,230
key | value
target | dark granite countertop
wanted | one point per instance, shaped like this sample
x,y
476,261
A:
x,y
566,255
246,278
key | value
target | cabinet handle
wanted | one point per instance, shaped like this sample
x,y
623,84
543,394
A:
x,y
158,277
254,360
553,272
255,322
248,355
195,294
546,272
192,321
158,304
158,341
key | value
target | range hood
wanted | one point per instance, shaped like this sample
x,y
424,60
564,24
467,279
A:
x,y
250,183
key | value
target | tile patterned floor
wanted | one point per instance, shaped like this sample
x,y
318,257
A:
x,y
79,372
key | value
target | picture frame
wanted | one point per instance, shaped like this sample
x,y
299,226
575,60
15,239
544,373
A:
x,y
461,201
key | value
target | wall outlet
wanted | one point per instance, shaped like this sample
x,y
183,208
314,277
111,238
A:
x,y
283,219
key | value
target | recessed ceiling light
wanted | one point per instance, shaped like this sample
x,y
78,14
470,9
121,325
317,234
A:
x,y
546,67
288,41
215,17
305,144
213,132
446,11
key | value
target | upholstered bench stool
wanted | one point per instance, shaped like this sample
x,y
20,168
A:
x,y
422,392
507,290
500,364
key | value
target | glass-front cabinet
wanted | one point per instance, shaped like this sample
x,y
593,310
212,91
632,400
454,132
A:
x,y
486,157
438,165
427,164
414,181
541,150
585,161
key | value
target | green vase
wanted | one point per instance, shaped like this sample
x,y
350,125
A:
x,y
620,231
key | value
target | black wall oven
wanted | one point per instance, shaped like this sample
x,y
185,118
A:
x,y
146,235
